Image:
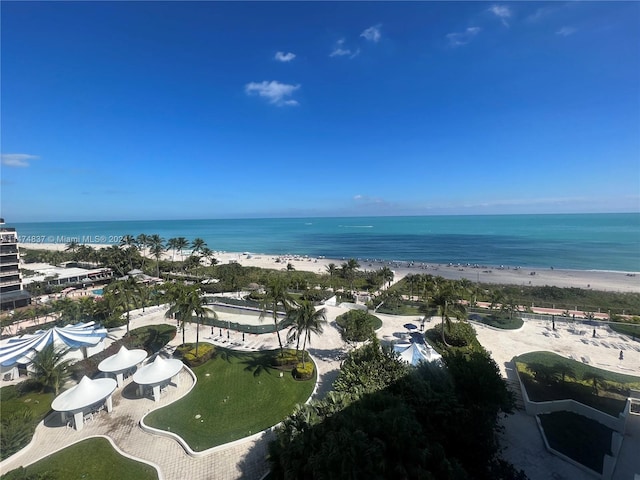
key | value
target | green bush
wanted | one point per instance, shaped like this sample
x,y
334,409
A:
x,y
205,352
303,372
459,334
285,358
17,430
358,325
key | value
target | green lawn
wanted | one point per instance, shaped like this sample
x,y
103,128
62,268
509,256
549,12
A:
x,y
94,458
237,394
16,432
497,321
580,438
612,387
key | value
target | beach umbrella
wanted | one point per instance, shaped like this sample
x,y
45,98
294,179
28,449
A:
x,y
410,326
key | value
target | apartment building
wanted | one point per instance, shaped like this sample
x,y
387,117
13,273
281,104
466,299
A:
x,y
12,295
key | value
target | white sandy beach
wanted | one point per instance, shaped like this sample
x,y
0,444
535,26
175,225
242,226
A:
x,y
594,279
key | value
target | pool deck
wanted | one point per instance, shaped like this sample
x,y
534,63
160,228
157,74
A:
x,y
247,459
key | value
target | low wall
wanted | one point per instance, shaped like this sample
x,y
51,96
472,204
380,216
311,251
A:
x,y
618,425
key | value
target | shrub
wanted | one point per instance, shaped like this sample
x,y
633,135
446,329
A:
x,y
16,432
288,357
357,325
303,372
205,352
460,334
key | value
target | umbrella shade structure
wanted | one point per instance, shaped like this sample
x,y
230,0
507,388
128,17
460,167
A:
x,y
122,361
414,353
17,349
410,326
156,373
87,393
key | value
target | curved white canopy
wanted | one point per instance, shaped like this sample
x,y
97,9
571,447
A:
x,y
86,393
158,371
70,336
414,353
122,360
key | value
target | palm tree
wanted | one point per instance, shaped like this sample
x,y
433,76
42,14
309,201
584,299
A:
x,y
209,255
497,298
156,248
306,320
142,242
276,294
185,301
72,247
197,246
123,294
50,368
349,270
447,301
181,244
129,244
172,245
331,268
387,275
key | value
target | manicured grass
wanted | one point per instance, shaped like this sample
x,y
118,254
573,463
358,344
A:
x,y
17,431
237,394
12,400
505,323
92,458
547,384
580,438
632,330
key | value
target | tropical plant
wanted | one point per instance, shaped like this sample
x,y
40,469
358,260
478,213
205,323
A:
x,y
331,269
72,247
156,249
349,270
447,302
276,294
50,368
123,295
185,302
306,320
128,242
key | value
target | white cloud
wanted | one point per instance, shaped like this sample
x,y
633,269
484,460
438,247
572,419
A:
x,y
456,39
340,51
372,33
17,159
502,12
275,92
284,57
566,31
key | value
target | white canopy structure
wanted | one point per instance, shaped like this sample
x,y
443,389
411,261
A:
x,y
87,393
414,353
122,361
156,373
18,349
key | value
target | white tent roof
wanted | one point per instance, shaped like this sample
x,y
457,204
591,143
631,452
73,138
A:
x,y
158,371
86,393
414,353
69,336
122,360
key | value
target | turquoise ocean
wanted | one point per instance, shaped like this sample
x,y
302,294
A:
x,y
575,241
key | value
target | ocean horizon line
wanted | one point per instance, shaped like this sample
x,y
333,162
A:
x,y
280,217
568,241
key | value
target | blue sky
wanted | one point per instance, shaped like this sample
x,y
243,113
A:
x,y
153,110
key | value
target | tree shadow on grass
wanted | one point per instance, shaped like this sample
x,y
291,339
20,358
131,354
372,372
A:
x,y
258,364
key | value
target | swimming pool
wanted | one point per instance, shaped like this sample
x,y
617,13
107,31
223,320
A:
x,y
97,291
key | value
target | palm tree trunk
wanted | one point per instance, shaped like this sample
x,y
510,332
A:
x,y
304,349
197,334
275,322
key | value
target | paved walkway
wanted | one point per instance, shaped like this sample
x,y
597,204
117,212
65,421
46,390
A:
x,y
246,459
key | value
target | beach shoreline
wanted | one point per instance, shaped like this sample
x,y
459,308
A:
x,y
602,280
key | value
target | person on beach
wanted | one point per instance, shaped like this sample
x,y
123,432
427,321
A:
x,y
621,355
